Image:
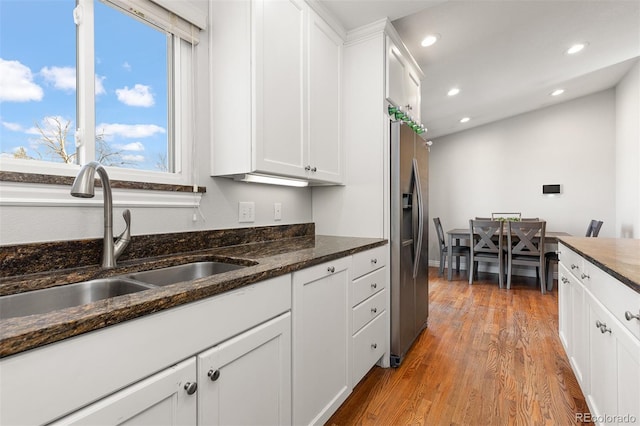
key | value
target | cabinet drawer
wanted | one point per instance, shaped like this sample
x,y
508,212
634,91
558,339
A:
x,y
572,261
368,310
616,297
368,346
368,285
368,261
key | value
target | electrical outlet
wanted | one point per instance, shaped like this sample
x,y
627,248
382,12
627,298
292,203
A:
x,y
277,211
246,211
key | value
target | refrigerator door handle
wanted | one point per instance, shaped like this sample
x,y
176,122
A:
x,y
418,189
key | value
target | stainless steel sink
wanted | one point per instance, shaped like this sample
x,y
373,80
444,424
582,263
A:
x,y
186,272
65,296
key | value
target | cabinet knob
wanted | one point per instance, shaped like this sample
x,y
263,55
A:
x,y
191,387
629,316
374,310
565,280
374,285
213,375
331,269
583,276
314,169
374,346
307,168
374,261
573,266
602,326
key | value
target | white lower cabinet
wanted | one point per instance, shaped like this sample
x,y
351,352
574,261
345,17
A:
x,y
601,343
247,380
321,333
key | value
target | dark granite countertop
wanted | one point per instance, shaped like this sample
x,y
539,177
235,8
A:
x,y
619,257
263,259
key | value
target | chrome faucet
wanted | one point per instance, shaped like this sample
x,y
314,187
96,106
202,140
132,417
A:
x,y
83,187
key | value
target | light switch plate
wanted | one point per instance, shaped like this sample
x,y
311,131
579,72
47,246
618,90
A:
x,y
246,211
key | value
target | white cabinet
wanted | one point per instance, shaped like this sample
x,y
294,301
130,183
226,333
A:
x,y
166,398
275,91
601,343
369,301
403,81
321,334
247,380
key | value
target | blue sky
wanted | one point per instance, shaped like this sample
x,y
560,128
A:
x,y
37,78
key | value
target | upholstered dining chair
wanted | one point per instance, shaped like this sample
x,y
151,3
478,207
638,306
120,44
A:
x,y
485,247
551,256
456,251
525,247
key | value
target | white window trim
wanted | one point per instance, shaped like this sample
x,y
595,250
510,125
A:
x,y
45,195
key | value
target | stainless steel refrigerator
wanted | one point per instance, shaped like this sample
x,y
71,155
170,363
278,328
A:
x,y
409,238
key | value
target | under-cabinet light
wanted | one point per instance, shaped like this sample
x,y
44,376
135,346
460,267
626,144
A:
x,y
271,180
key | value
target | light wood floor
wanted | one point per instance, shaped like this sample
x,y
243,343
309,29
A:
x,y
489,356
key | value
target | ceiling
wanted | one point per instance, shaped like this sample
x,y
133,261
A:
x,y
506,57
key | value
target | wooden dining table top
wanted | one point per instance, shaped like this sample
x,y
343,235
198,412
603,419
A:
x,y
549,236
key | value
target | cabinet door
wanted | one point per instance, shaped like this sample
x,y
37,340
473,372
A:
x,y
321,333
580,327
396,71
412,95
564,310
247,380
325,62
159,400
279,104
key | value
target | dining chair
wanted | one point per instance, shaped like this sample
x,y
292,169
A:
x,y
485,247
456,251
525,247
551,256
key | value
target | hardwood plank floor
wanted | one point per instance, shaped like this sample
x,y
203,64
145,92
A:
x,y
489,356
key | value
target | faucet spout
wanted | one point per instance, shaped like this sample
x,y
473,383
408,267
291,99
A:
x,y
83,186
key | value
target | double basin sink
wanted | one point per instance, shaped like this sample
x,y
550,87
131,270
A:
x,y
69,295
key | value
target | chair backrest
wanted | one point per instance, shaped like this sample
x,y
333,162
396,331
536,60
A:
x,y
436,221
483,234
594,228
526,238
530,219
483,218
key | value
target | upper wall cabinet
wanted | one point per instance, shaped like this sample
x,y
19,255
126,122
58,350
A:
x,y
403,81
275,91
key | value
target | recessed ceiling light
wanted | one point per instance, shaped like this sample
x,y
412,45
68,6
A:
x,y
557,92
576,48
430,40
454,91
464,120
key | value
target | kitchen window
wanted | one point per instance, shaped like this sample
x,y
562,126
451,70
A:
x,y
108,81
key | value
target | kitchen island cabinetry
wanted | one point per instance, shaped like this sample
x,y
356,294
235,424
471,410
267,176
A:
x,y
321,333
276,95
601,337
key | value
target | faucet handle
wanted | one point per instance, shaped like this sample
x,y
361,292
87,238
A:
x,y
123,239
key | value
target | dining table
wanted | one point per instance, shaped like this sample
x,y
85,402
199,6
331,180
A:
x,y
458,234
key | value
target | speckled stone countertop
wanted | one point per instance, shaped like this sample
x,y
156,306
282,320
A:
x,y
264,259
619,257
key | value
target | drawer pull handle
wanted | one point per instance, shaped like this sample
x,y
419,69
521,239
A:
x,y
573,266
565,280
374,261
191,387
374,285
214,375
583,276
331,269
374,310
629,316
374,346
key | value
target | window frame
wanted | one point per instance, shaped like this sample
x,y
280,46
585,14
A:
x,y
181,101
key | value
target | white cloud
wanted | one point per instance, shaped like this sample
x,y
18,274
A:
x,y
129,130
16,83
135,158
126,66
63,78
14,127
99,89
140,95
133,146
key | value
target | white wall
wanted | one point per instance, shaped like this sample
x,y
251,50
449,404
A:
x,y
219,206
628,155
501,167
